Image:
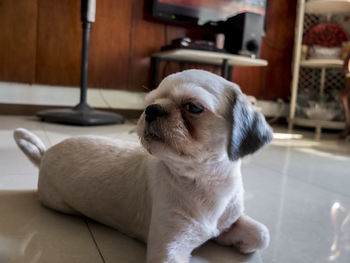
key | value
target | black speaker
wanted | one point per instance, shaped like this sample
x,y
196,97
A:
x,y
243,34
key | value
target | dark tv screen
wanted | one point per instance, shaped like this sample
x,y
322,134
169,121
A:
x,y
202,11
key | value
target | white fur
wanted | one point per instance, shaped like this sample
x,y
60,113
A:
x,y
30,144
184,193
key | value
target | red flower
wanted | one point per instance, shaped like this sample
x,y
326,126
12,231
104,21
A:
x,y
326,35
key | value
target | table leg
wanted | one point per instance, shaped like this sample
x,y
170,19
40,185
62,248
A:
x,y
229,77
154,72
224,68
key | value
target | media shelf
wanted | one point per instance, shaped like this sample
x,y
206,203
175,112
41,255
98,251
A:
x,y
225,60
211,57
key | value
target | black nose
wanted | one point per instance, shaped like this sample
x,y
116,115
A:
x,y
154,111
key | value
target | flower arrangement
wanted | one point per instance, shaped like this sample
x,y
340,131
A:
x,y
326,35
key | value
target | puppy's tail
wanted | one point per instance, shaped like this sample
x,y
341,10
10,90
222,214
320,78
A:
x,y
30,144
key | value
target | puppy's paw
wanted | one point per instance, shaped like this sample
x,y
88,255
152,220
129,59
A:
x,y
253,240
247,235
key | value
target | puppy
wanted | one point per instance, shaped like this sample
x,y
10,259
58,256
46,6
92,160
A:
x,y
182,188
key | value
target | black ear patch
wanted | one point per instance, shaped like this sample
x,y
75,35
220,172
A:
x,y
250,131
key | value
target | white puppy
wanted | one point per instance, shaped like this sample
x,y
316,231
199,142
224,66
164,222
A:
x,y
182,189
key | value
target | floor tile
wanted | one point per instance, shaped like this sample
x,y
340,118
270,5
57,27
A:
x,y
31,233
299,215
309,161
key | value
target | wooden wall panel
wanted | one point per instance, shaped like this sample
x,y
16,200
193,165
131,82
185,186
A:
x,y
172,32
18,40
146,38
59,42
278,48
110,43
250,79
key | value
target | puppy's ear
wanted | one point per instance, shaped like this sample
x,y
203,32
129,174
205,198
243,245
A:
x,y
250,131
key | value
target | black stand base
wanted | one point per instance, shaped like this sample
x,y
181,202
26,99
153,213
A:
x,y
82,115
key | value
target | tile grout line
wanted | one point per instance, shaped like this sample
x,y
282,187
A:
x,y
94,240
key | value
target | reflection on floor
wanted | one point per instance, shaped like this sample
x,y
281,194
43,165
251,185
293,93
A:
x,y
300,188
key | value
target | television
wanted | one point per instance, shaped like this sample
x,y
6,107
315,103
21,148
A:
x,y
199,12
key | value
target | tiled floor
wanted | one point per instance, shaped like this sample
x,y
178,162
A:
x,y
298,187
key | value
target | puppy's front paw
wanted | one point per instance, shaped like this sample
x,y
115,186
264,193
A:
x,y
253,239
247,235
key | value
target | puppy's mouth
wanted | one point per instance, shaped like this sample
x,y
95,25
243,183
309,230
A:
x,y
151,136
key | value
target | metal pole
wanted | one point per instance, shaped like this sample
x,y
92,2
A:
x,y
84,62
88,10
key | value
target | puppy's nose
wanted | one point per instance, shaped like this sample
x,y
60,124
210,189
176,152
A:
x,y
154,111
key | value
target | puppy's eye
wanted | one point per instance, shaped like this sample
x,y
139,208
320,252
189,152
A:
x,y
194,108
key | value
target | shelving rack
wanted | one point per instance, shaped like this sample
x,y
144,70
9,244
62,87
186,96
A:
x,y
313,8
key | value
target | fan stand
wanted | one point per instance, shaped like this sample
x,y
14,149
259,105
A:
x,y
82,114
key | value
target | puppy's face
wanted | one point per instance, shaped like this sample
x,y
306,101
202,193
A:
x,y
189,117
182,123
